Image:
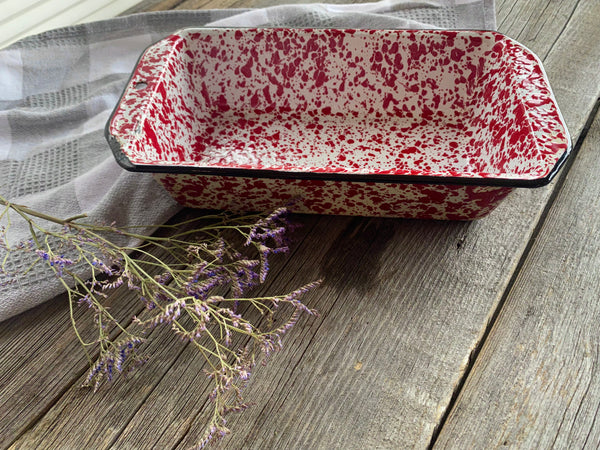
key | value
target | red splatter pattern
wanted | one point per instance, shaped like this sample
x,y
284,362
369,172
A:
x,y
460,105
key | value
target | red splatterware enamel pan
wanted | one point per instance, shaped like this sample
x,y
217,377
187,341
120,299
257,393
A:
x,y
401,123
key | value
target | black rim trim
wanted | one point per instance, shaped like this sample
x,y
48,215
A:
x,y
126,164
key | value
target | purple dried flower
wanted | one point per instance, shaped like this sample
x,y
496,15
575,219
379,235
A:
x,y
114,284
56,261
113,360
86,299
42,254
191,288
102,267
169,314
164,278
272,226
8,282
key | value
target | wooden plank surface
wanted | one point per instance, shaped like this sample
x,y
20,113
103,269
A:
x,y
404,306
104,418
41,357
536,382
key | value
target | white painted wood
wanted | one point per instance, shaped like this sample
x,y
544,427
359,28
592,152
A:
x,y
108,9
12,8
23,18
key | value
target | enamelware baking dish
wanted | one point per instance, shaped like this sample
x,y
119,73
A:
x,y
403,123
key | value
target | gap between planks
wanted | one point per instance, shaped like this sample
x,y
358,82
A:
x,y
517,273
557,189
546,337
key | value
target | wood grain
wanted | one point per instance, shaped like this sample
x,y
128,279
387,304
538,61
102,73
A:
x,y
41,358
536,23
153,5
536,384
419,340
205,4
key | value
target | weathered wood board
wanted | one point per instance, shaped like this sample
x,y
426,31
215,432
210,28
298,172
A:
x,y
536,382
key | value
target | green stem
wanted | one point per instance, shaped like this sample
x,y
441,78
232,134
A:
x,y
24,210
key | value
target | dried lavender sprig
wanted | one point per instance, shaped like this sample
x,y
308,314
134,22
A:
x,y
202,260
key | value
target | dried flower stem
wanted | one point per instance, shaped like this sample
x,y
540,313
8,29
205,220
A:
x,y
90,260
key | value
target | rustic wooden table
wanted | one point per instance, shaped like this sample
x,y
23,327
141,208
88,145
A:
x,y
431,334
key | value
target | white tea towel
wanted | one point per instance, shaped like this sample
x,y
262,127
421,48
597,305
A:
x,y
57,90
